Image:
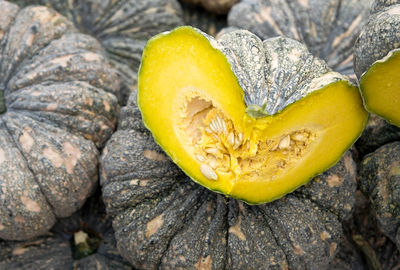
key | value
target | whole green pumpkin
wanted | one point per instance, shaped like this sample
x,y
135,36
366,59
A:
x,y
60,106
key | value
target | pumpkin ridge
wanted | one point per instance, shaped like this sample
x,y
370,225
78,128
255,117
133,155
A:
x,y
278,233
69,27
18,146
185,224
108,121
269,222
111,13
148,198
71,199
316,203
41,115
39,119
78,51
169,204
294,253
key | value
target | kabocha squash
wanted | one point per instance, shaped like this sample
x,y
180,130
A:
x,y
164,220
217,6
294,120
90,227
329,28
377,61
380,181
377,133
59,102
207,22
122,27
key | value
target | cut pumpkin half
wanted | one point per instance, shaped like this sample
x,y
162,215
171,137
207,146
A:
x,y
380,87
254,140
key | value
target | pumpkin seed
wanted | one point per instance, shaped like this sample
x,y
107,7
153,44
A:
x,y
284,143
208,172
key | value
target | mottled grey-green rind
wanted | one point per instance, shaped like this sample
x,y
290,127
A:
x,y
53,251
43,253
376,133
380,182
216,6
122,26
273,73
60,107
198,17
2,102
378,38
195,228
329,28
378,5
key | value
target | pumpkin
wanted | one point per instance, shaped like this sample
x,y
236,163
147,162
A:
x,y
377,61
364,245
59,249
209,23
377,133
380,182
59,102
329,28
122,27
255,146
164,220
217,6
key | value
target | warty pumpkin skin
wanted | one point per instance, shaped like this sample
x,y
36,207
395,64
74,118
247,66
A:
x,y
60,107
379,175
377,61
207,22
329,28
164,220
121,26
377,133
217,6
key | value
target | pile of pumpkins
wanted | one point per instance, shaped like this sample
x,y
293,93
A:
x,y
86,100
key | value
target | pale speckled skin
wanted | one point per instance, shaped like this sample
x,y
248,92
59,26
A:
x,y
122,26
273,73
379,176
165,221
60,108
379,36
329,28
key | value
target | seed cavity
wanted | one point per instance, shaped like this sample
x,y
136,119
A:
x,y
208,172
221,148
